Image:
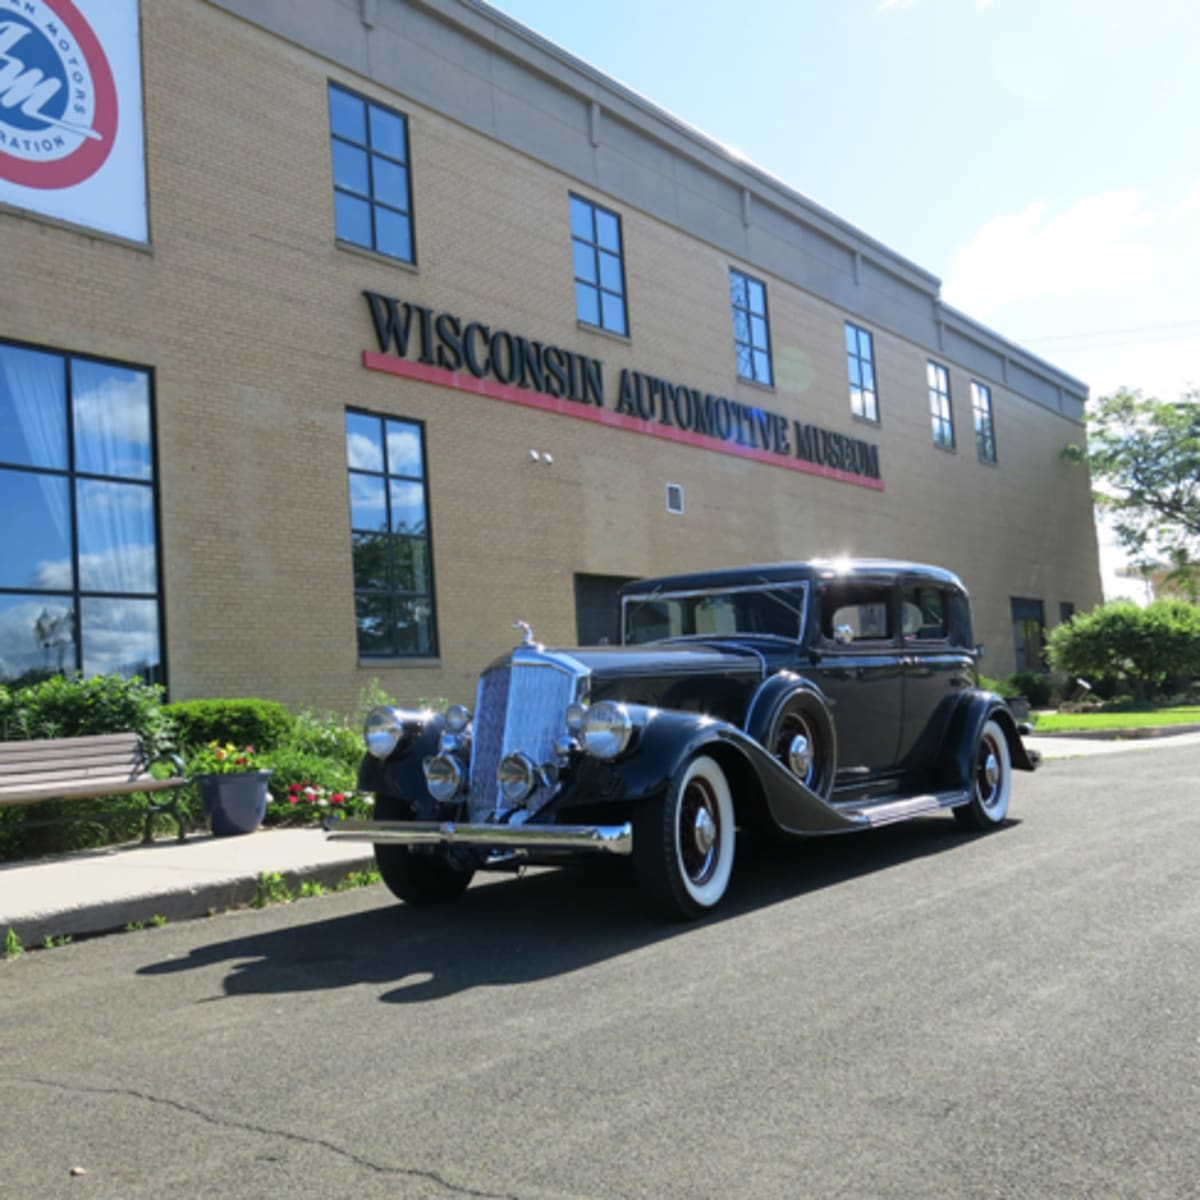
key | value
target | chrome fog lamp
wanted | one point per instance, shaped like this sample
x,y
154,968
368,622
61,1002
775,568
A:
x,y
607,730
517,777
443,777
576,717
458,717
386,728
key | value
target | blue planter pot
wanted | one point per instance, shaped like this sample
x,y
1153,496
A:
x,y
234,803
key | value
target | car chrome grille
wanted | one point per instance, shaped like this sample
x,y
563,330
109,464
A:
x,y
520,705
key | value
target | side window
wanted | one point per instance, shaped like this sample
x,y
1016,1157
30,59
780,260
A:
x,y
389,529
751,328
599,266
372,192
924,614
856,613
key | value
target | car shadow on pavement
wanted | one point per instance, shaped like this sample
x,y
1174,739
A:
x,y
517,930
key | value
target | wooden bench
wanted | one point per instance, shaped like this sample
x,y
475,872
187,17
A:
x,y
85,768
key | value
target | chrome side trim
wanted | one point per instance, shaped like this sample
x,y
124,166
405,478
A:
x,y
611,839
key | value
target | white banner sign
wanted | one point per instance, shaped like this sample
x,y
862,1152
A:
x,y
71,142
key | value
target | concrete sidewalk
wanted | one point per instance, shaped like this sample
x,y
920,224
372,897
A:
x,y
103,890
98,891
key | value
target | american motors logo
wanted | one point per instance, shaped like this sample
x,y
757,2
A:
x,y
58,102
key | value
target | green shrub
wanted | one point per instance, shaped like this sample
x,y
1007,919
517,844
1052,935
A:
x,y
1147,649
1001,687
77,707
328,736
1033,685
263,724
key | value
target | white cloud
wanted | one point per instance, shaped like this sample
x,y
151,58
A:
x,y
1189,204
1098,243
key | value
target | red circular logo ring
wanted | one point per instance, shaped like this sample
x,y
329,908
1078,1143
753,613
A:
x,y
89,157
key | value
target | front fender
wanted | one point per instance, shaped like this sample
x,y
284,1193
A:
x,y
669,739
401,774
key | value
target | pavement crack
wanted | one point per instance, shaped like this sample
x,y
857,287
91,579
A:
x,y
265,1131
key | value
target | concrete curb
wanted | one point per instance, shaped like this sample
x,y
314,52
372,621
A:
x,y
1136,733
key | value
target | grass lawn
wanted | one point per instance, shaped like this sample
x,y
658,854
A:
x,y
1068,722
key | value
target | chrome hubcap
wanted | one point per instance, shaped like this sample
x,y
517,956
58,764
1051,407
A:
x,y
800,756
991,771
705,831
699,831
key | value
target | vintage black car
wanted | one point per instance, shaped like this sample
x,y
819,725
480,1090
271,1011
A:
x,y
802,698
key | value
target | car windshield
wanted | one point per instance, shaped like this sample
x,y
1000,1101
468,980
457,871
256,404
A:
x,y
758,610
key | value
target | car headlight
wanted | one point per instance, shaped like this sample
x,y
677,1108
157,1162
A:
x,y
387,727
517,777
444,777
607,729
458,717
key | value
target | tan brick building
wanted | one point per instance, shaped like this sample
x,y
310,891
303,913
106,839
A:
x,y
412,272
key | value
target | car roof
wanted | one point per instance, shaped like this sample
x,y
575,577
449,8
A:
x,y
812,569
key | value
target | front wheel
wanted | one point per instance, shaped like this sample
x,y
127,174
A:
x,y
420,876
683,845
991,781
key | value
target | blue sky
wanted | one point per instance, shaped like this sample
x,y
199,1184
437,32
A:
x,y
1040,157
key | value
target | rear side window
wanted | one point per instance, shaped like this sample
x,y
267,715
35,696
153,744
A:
x,y
925,614
856,612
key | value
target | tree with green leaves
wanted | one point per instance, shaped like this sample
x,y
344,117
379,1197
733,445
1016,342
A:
x,y
1144,456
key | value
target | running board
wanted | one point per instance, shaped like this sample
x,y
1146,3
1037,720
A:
x,y
887,812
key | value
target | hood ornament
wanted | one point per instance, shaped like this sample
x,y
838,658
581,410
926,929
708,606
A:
x,y
527,640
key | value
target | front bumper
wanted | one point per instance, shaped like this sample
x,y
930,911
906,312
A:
x,y
609,839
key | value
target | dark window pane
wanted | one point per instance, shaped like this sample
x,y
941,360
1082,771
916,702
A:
x,y
372,561
352,219
350,168
364,443
414,626
373,615
391,183
610,273
368,503
388,134
116,536
614,312
408,507
120,637
585,261
581,220
37,637
745,361
112,420
404,449
737,289
608,231
33,409
741,325
347,115
35,548
411,557
394,234
587,303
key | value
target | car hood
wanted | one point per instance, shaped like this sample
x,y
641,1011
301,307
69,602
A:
x,y
693,677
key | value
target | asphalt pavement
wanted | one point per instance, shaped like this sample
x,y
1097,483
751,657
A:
x,y
99,891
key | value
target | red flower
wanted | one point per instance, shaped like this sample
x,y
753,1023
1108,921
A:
x,y
293,799
293,788
336,798
250,750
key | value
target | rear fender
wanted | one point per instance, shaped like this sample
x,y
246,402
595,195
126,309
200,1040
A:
x,y
974,711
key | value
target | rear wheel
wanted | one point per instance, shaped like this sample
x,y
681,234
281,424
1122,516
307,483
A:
x,y
991,781
420,876
683,845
